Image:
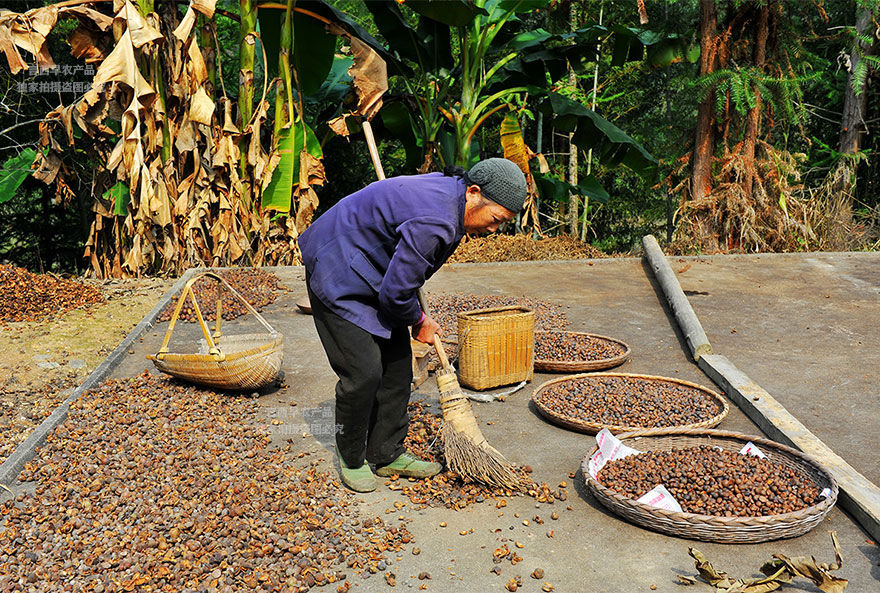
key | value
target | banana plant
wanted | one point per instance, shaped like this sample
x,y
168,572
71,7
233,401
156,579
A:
x,y
495,67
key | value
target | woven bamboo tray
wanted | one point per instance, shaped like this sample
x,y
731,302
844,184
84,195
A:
x,y
729,530
240,361
594,427
580,366
496,346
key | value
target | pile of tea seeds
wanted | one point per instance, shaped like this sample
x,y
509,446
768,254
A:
x,y
25,296
444,308
151,485
711,481
628,401
257,287
574,346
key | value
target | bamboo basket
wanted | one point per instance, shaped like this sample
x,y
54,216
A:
x,y
729,530
581,366
496,346
589,427
242,361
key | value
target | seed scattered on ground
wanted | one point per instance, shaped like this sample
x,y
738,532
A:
x,y
447,489
154,485
445,308
629,401
257,287
709,481
538,573
25,296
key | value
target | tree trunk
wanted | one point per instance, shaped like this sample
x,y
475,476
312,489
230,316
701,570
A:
x,y
852,129
572,149
704,137
852,125
753,119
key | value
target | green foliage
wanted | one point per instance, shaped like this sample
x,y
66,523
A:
x,y
119,196
14,171
292,140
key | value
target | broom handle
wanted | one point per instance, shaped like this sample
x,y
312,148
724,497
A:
x,y
441,353
374,151
438,343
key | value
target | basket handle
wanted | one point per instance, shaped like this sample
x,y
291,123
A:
x,y
213,350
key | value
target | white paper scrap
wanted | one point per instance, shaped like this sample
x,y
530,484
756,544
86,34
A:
x,y
752,449
610,448
661,498
826,493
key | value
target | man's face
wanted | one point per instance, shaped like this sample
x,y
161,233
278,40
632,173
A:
x,y
483,216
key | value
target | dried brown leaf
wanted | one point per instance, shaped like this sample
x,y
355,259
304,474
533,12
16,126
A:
x,y
201,107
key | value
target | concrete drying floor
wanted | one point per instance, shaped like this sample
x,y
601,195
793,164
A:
x,y
803,326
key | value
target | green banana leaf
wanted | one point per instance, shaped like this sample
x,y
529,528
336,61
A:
x,y
313,52
522,5
313,47
397,119
555,189
271,19
14,171
336,86
118,195
593,131
454,13
291,142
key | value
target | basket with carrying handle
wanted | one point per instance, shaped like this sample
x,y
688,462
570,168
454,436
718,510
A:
x,y
240,361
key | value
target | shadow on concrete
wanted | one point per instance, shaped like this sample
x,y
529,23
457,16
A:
x,y
872,553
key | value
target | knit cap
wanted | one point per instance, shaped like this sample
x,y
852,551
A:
x,y
501,181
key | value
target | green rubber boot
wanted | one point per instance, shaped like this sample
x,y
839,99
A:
x,y
410,466
359,479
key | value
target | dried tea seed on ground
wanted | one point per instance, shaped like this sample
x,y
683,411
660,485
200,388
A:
x,y
445,308
447,488
25,296
257,287
709,481
629,401
155,485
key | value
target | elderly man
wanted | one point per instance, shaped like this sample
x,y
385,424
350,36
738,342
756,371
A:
x,y
365,259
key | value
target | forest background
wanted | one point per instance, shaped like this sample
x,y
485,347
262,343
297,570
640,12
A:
x,y
144,137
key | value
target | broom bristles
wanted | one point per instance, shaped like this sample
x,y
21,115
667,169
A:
x,y
467,451
478,463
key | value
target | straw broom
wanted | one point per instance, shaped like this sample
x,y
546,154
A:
x,y
467,451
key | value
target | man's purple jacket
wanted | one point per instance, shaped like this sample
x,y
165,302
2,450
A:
x,y
367,256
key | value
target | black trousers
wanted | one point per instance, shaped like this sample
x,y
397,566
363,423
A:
x,y
373,391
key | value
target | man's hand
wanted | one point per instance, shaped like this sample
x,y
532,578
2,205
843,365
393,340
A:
x,y
424,332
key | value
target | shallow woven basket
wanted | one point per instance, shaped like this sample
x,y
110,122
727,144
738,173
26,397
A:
x,y
580,366
496,346
729,530
242,361
594,427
